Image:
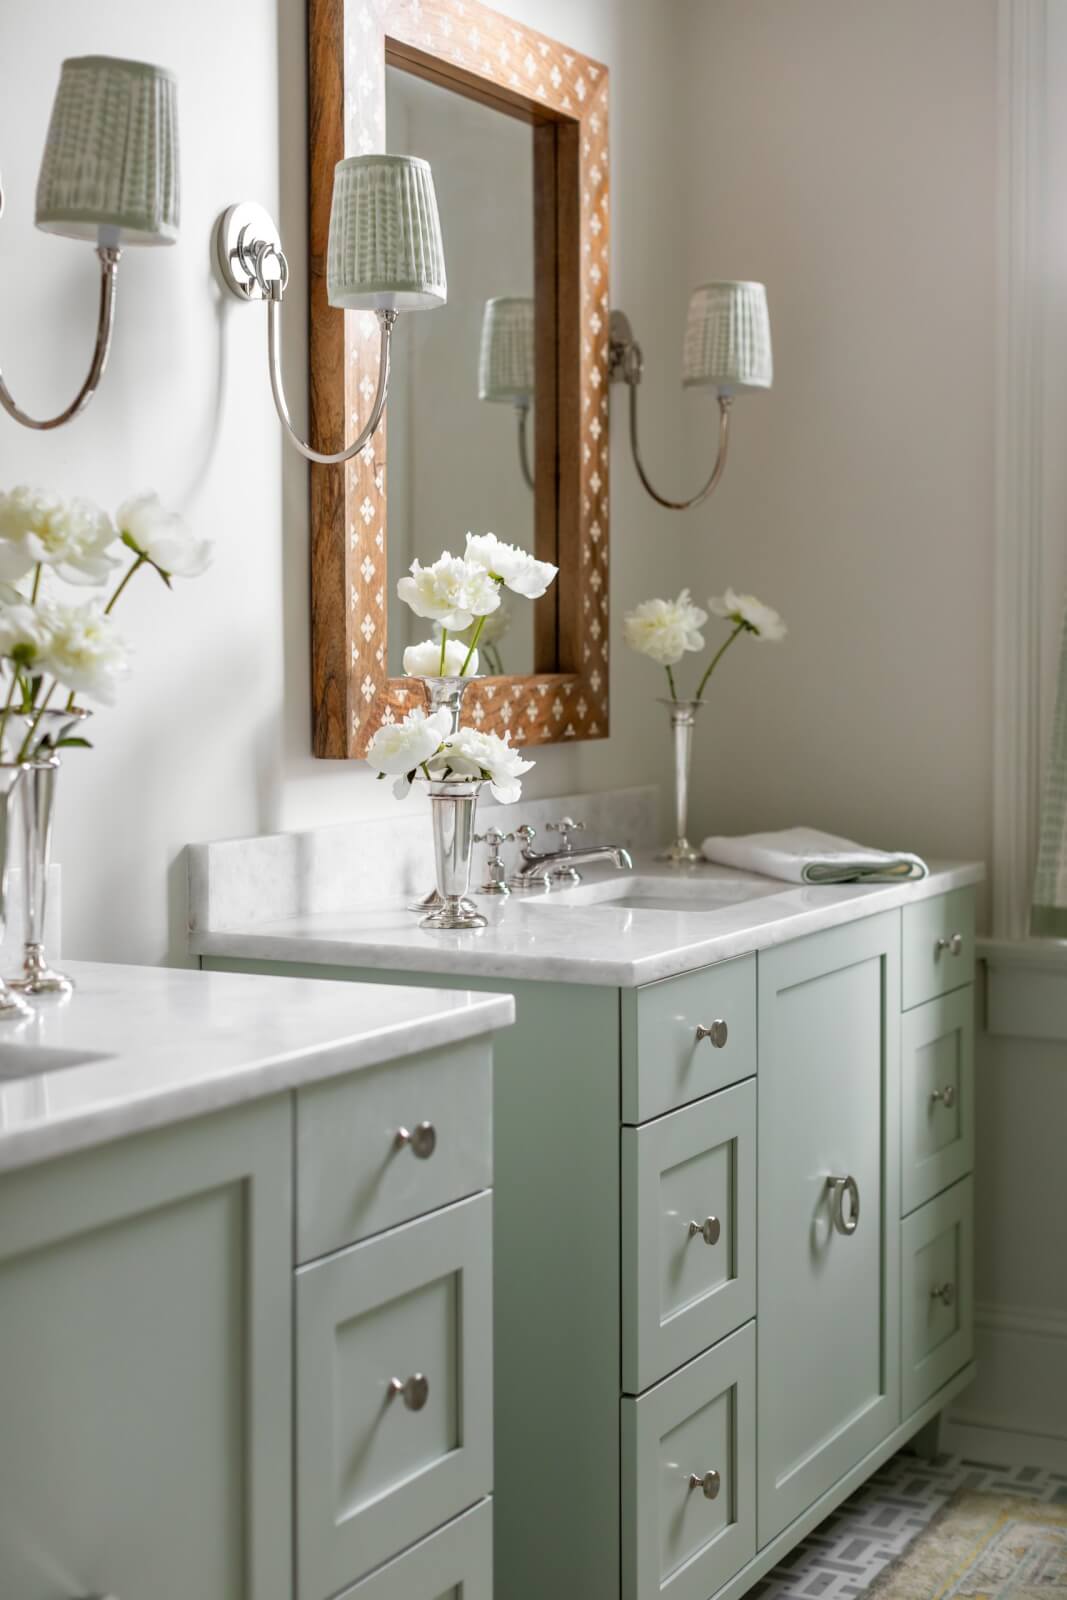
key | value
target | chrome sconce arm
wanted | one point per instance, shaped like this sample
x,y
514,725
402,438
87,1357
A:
x,y
522,413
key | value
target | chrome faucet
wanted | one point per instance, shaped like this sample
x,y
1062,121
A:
x,y
540,869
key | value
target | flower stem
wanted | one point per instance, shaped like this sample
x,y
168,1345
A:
x,y
717,657
31,731
36,584
138,562
670,680
444,641
475,636
5,714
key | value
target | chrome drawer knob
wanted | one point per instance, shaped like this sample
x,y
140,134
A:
x,y
945,1292
947,1095
952,946
709,1230
415,1391
839,1188
421,1140
718,1033
709,1485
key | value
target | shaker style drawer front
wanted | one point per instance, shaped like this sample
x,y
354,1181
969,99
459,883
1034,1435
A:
x,y
688,1231
938,1293
390,1143
393,1393
938,946
687,1037
689,1478
937,1090
456,1563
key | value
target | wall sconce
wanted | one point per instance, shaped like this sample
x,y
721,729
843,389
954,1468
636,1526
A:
x,y
727,345
506,363
109,173
384,255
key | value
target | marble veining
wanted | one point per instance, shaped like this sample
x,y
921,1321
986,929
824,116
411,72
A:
x,y
139,1047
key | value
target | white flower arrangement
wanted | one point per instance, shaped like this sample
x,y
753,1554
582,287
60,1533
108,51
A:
x,y
424,744
428,660
666,630
47,645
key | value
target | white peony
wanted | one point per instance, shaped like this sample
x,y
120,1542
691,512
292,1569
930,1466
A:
x,y
24,634
470,754
162,538
665,629
400,748
85,650
73,536
424,660
748,612
451,591
516,569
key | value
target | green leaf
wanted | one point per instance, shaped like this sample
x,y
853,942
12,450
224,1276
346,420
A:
x,y
73,743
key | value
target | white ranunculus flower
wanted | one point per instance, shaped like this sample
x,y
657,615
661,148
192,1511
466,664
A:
x,y
451,591
516,569
24,634
748,612
162,538
665,629
424,660
85,650
72,536
399,748
472,755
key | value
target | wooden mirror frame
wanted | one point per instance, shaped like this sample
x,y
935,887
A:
x,y
473,51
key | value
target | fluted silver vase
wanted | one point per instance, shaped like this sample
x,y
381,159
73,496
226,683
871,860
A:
x,y
443,693
453,805
683,715
12,1008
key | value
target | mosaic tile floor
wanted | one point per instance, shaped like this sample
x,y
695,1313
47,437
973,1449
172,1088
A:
x,y
844,1554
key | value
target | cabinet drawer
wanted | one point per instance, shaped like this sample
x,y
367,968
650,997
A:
x,y
937,1088
689,1232
355,1179
375,1469
456,1563
664,1063
938,1293
938,946
700,1421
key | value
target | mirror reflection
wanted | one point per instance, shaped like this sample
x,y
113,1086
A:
x,y
461,402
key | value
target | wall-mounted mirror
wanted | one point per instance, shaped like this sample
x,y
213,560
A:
x,y
497,417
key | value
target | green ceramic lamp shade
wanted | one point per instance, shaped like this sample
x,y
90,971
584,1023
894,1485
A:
x,y
111,158
385,251
728,338
506,358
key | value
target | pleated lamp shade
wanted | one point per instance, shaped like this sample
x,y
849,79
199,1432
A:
x,y
385,250
506,358
111,156
728,338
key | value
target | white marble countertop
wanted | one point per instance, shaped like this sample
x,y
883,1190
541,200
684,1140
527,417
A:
x,y
139,1047
567,936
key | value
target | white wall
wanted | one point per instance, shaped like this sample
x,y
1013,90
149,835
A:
x,y
212,735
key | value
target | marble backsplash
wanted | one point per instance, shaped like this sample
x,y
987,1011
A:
x,y
380,860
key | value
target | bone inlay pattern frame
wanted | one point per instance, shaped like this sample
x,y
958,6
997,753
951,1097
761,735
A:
x,y
564,95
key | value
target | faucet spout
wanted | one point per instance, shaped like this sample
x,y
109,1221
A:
x,y
541,867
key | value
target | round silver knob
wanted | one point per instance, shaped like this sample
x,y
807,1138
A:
x,y
420,1140
709,1484
718,1033
414,1391
839,1188
947,1095
945,1292
709,1230
953,945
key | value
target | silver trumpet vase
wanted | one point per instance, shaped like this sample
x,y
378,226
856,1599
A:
x,y
453,805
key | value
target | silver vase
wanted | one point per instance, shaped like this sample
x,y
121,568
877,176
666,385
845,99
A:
x,y
12,1009
683,715
447,694
453,805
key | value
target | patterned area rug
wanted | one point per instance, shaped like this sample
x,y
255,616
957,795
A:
x,y
845,1556
985,1547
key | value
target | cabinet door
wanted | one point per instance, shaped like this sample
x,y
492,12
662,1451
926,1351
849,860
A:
x,y
829,1341
145,1367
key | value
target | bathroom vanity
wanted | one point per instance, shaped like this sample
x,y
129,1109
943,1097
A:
x,y
245,1342
733,1208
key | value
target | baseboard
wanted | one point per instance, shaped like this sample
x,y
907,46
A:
x,y
998,1446
1018,1402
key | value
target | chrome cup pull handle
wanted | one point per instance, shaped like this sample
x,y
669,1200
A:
x,y
709,1484
708,1230
717,1032
952,946
945,1292
839,1188
420,1140
947,1096
414,1391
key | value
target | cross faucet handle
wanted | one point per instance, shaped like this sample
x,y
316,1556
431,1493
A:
x,y
525,835
565,827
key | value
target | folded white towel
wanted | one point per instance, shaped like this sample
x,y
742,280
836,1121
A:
x,y
804,855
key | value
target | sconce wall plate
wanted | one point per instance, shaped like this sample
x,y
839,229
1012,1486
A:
x,y
239,228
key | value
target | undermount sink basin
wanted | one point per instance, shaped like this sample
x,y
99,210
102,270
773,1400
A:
x,y
29,1060
694,893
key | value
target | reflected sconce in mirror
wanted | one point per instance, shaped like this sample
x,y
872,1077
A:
x,y
384,255
506,363
109,173
727,347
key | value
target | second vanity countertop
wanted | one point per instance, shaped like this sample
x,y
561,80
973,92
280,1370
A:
x,y
567,936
